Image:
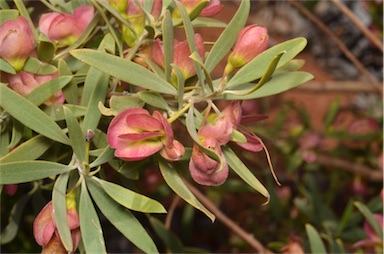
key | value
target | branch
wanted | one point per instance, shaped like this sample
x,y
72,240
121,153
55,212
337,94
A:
x,y
358,169
336,86
250,239
339,43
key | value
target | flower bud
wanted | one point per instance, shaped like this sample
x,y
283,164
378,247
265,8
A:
x,y
65,28
16,42
203,8
25,82
250,42
46,233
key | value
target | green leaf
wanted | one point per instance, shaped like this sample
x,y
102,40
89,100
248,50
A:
x,y
76,135
56,112
105,156
122,219
240,169
95,88
17,133
42,93
120,103
370,218
33,65
91,231
31,149
208,22
70,91
315,242
277,84
30,115
45,49
10,231
60,208
130,199
174,181
124,70
168,46
170,240
331,114
8,15
6,67
153,99
228,37
255,68
27,171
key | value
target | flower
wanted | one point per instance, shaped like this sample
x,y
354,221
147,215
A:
x,y
46,233
25,82
16,42
203,169
372,238
135,16
135,135
180,57
210,8
65,28
250,42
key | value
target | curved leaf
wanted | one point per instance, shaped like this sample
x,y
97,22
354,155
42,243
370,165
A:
x,y
238,166
27,171
6,67
130,199
122,219
30,115
228,36
174,181
153,99
315,242
76,135
124,70
255,68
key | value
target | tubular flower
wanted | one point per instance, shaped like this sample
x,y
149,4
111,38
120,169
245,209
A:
x,y
180,57
135,135
205,170
45,230
65,28
16,42
25,82
250,42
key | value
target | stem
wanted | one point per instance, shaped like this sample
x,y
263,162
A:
x,y
171,210
179,113
247,237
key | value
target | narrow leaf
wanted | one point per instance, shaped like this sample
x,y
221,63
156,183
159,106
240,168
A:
x,y
174,181
105,156
56,112
122,219
70,91
76,135
8,15
6,67
153,99
170,240
167,43
370,218
124,70
33,65
31,149
228,37
60,208
315,242
91,231
240,169
30,115
130,199
255,68
27,171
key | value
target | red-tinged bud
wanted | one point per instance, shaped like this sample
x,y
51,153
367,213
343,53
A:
x,y
250,42
65,28
203,8
46,233
16,42
25,82
211,9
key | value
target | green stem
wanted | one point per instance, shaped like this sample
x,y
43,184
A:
x,y
179,113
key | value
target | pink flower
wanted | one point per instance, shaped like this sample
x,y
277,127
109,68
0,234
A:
x,y
25,82
205,170
250,42
16,42
180,57
135,135
371,237
45,230
210,9
66,28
